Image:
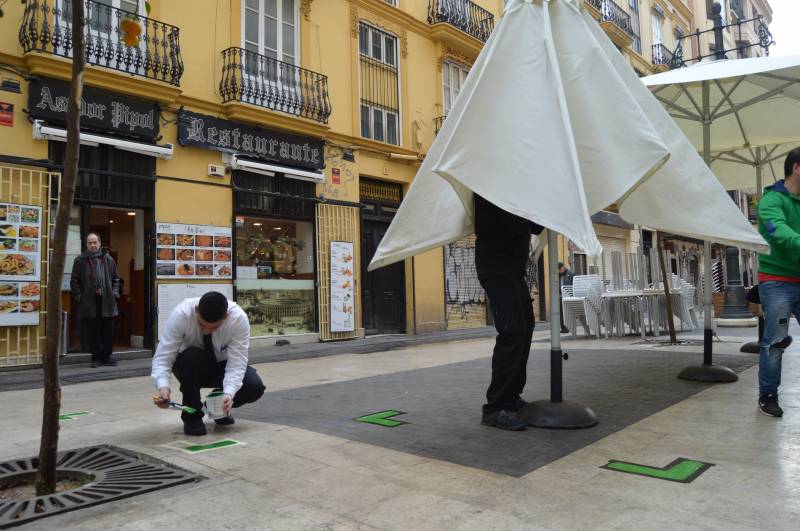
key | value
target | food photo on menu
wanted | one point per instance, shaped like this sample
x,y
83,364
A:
x,y
199,255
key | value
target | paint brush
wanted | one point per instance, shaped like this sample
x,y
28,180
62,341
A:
x,y
174,405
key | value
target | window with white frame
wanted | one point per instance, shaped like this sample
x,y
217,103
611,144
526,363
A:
x,y
391,2
270,29
453,77
380,94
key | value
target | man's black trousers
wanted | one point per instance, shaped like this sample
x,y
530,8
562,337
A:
x,y
194,369
98,334
512,310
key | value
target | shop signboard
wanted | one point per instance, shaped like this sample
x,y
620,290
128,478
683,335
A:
x,y
193,251
100,110
20,258
170,295
342,288
249,141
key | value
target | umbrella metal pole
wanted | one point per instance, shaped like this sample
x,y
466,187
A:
x,y
707,372
754,347
556,412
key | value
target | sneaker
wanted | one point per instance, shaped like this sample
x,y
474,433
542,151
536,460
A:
x,y
768,404
503,419
194,426
225,421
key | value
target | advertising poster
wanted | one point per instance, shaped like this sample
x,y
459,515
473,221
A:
x,y
20,257
193,251
170,295
342,288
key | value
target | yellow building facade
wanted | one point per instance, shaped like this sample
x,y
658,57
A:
x,y
261,148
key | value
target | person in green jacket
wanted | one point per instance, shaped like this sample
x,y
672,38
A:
x,y
779,277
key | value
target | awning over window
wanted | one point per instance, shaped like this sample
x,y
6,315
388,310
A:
x,y
45,132
235,163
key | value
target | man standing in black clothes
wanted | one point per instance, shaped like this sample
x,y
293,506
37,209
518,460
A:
x,y
502,248
565,277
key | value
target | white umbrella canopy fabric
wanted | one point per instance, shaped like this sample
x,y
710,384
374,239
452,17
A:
x,y
753,102
530,133
737,169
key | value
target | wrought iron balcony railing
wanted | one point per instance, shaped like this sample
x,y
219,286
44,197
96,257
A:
x,y
761,30
662,55
470,18
260,80
611,12
155,54
437,124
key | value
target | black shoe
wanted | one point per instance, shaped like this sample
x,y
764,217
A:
x,y
225,421
520,404
194,426
109,363
784,343
564,330
503,419
768,404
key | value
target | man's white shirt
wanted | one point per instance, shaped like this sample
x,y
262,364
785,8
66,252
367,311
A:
x,y
231,342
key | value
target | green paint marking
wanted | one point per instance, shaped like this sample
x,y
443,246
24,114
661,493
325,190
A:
x,y
382,418
194,448
682,470
72,416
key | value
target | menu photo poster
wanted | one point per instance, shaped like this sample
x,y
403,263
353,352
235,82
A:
x,y
342,287
20,258
193,251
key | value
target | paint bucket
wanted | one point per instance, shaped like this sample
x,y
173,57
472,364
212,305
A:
x,y
213,405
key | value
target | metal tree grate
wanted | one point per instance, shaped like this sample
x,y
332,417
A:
x,y
116,474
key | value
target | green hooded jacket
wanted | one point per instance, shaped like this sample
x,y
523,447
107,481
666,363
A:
x,y
779,224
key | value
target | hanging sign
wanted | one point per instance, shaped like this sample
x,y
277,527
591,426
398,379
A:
x,y
249,141
342,287
193,251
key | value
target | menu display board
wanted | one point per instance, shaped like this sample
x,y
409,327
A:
x,y
342,287
193,251
20,258
170,295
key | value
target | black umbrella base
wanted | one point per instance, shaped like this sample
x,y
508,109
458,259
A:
x,y
557,415
753,347
708,373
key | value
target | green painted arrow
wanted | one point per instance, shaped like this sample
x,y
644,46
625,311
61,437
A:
x,y
71,416
382,418
682,470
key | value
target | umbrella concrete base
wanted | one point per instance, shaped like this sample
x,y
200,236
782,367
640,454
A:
x,y
708,373
753,347
557,415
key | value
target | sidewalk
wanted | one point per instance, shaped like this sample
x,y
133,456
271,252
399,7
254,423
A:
x,y
305,463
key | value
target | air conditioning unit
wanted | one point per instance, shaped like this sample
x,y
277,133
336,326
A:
x,y
216,170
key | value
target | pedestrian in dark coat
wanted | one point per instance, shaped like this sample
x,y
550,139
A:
x,y
95,286
565,277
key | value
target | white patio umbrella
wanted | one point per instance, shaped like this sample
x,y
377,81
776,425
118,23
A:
x,y
542,128
728,105
750,168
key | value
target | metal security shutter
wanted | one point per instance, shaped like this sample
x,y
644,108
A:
x,y
335,223
609,245
465,300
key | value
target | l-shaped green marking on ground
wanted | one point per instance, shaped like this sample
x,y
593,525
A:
x,y
681,470
72,416
190,448
382,418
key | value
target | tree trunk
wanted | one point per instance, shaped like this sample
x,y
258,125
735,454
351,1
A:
x,y
48,449
670,317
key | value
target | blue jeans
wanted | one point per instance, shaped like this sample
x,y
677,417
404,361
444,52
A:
x,y
779,300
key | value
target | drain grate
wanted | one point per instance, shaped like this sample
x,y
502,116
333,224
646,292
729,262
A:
x,y
116,474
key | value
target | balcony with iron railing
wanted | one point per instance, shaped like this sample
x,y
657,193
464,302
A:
x,y
464,15
741,31
154,53
249,77
615,20
662,56
437,124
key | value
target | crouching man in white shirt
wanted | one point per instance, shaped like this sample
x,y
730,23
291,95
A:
x,y
204,343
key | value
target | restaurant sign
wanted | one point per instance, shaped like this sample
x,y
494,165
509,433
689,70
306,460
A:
x,y
249,141
101,111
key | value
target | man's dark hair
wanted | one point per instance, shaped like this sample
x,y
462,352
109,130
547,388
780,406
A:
x,y
791,159
560,265
212,307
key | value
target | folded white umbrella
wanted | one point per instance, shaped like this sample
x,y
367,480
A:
x,y
543,127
